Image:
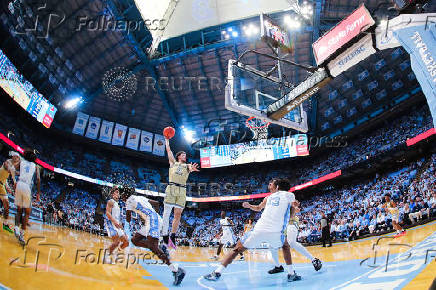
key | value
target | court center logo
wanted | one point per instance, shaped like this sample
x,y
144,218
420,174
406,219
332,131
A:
x,y
38,254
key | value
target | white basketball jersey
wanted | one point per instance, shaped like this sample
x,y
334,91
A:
x,y
227,228
27,171
140,205
275,216
115,211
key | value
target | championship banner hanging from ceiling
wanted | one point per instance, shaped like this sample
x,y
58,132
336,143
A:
x,y
93,127
80,125
146,141
119,135
420,43
159,145
133,138
106,131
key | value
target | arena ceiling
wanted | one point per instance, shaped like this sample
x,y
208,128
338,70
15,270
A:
x,y
70,52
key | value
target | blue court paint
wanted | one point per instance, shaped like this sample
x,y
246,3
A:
x,y
402,268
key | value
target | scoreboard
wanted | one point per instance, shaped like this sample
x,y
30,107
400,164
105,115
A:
x,y
23,92
254,151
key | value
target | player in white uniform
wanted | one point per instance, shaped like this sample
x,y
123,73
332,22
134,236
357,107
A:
x,y
269,230
227,238
112,222
148,235
291,236
23,192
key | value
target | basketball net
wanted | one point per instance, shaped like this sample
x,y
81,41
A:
x,y
259,128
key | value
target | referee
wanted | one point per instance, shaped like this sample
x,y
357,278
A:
x,y
175,193
325,230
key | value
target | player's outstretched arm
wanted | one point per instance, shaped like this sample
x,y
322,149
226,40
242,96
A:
x,y
193,167
171,158
258,207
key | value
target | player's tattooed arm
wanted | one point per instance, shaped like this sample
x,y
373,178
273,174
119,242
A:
x,y
258,207
171,158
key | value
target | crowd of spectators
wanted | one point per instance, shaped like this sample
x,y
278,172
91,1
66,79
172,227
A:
x,y
354,211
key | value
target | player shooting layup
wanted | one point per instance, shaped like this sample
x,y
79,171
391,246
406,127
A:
x,y
175,192
269,229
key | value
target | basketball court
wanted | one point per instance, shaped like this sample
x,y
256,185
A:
x,y
344,265
272,84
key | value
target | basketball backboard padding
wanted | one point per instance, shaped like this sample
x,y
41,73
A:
x,y
249,93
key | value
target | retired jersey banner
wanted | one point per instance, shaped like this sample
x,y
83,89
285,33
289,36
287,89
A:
x,y
119,135
80,125
146,141
106,131
133,138
420,42
159,145
93,127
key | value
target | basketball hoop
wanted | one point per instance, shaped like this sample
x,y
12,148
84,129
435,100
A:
x,y
259,127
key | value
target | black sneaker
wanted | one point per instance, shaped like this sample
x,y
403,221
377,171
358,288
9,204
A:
x,y
317,264
214,276
178,276
276,270
293,277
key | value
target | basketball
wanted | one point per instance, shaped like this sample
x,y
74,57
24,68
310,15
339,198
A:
x,y
169,132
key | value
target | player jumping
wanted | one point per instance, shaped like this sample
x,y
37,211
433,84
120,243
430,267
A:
x,y
175,192
391,207
148,235
8,168
113,225
292,234
269,229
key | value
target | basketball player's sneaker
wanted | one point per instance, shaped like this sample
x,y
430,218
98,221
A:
x,y
164,249
293,277
276,270
214,276
178,276
7,228
317,264
402,233
242,258
215,258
